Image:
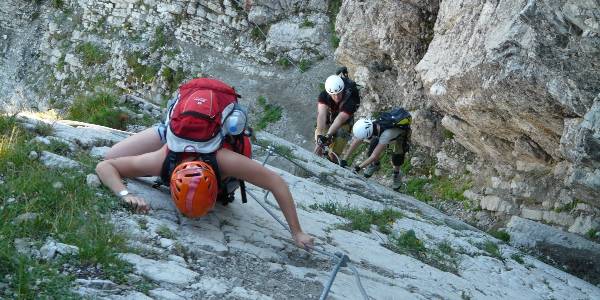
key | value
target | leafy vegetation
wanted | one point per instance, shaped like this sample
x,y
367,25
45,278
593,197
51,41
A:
x,y
518,258
257,33
73,214
141,72
160,39
306,23
304,65
91,54
332,11
98,109
271,113
284,62
501,235
173,77
491,248
361,219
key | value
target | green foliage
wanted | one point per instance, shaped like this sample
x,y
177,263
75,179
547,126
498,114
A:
x,y
491,248
332,11
437,187
307,24
57,3
445,248
518,258
361,219
173,78
73,214
165,232
501,235
567,207
284,62
407,242
144,73
98,109
271,113
160,39
257,34
304,65
592,233
448,134
91,54
43,129
417,187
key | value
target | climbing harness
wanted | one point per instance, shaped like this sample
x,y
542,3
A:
x,y
342,259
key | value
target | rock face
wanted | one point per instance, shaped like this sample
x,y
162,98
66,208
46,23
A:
x,y
148,47
516,82
240,252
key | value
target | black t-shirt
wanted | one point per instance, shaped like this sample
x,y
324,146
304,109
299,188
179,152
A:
x,y
349,103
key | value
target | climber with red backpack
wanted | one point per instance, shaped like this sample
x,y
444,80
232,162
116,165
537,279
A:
x,y
390,127
202,152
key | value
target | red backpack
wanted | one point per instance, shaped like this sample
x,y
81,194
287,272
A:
x,y
195,128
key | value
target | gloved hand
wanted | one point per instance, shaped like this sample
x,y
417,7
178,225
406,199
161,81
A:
x,y
356,169
324,139
343,163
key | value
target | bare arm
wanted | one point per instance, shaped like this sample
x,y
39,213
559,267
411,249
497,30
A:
x,y
374,156
355,143
112,171
341,118
322,111
239,166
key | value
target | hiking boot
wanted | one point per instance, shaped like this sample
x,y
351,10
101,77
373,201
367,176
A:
x,y
371,169
397,181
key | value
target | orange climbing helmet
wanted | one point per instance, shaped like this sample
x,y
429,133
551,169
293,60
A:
x,y
194,188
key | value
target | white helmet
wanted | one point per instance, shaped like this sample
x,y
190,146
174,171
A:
x,y
363,129
334,84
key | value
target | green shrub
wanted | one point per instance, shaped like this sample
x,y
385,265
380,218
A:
x,y
56,3
271,113
307,24
159,40
173,78
407,242
332,11
501,235
91,54
258,33
144,73
98,109
304,65
518,258
361,219
491,248
73,214
284,62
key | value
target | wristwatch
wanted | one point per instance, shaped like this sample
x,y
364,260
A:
x,y
123,193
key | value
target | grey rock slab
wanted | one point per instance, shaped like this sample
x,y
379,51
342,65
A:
x,y
96,283
84,134
130,296
99,152
164,294
52,160
526,233
212,286
25,217
52,249
93,181
160,271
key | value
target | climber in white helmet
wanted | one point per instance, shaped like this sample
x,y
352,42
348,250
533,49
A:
x,y
392,127
335,108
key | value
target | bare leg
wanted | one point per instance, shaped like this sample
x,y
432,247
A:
x,y
139,143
